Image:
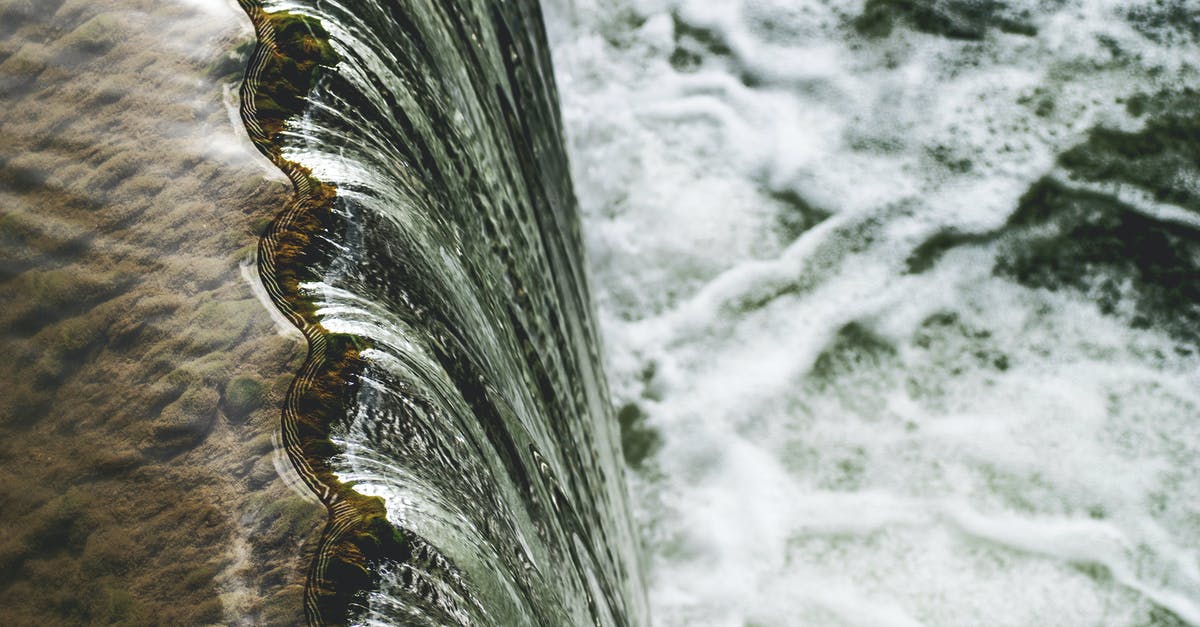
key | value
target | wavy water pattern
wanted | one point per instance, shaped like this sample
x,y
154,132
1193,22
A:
x,y
448,270
900,301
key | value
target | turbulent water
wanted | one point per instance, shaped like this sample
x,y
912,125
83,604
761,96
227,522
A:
x,y
899,302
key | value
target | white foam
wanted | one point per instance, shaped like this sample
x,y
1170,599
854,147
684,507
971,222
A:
x,y
1028,461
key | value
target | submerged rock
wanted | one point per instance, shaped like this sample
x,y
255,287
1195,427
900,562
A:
x,y
953,19
1129,263
242,396
639,441
1077,233
185,422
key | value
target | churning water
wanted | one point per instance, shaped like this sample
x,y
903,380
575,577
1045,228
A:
x,y
898,306
899,302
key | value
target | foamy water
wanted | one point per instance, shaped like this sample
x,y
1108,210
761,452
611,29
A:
x,y
844,442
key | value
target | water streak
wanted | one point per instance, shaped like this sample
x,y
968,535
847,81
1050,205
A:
x,y
451,277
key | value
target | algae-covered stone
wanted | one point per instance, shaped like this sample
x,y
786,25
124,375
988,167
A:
x,y
59,293
229,67
953,19
95,35
638,440
77,335
118,607
108,551
220,323
16,10
24,406
112,217
185,422
57,524
242,396
854,347
280,521
1129,263
114,171
15,14
262,444
21,70
201,576
1165,21
262,473
1163,157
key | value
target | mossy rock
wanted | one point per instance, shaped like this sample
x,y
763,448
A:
x,y
96,35
303,47
22,68
13,551
242,396
231,65
854,347
128,325
262,444
115,171
77,335
209,273
201,577
140,187
259,225
167,389
1166,21
227,320
49,370
282,521
952,19
17,10
1096,244
58,293
69,11
186,422
58,524
118,607
282,609
15,14
24,406
108,551
638,440
262,473
1163,157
